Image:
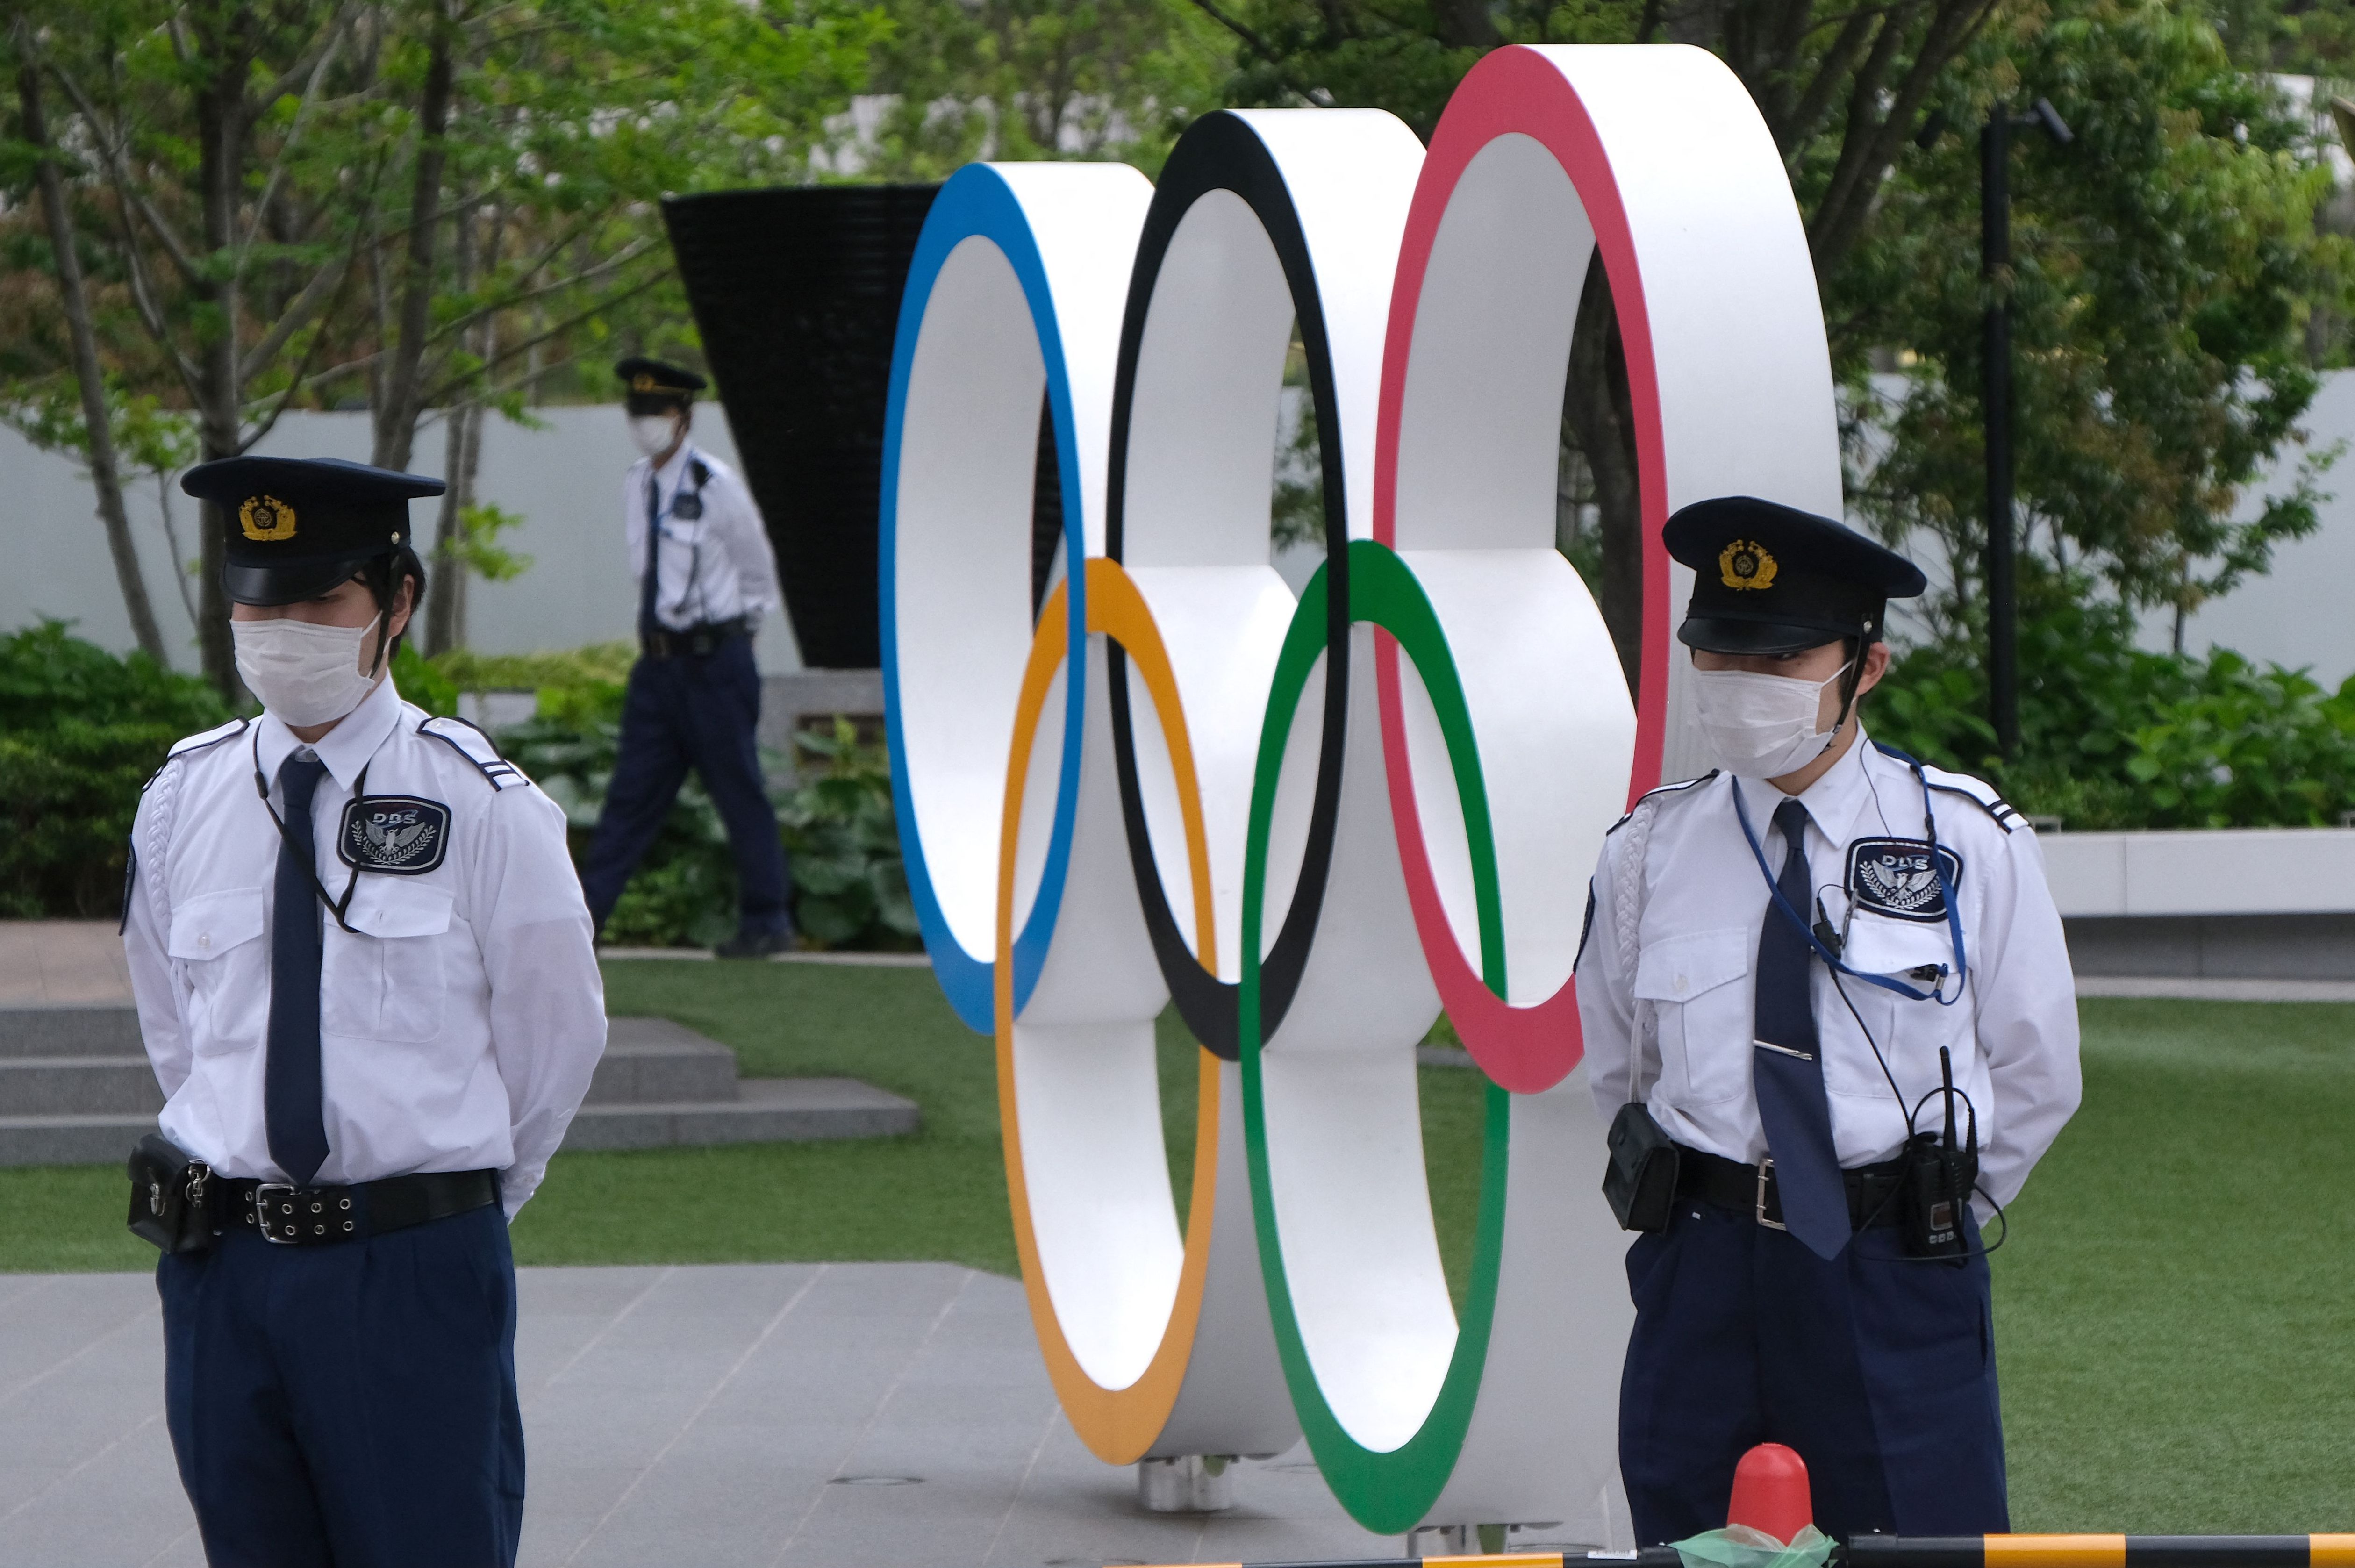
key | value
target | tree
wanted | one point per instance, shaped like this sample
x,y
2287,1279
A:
x,y
1034,79
2165,265
97,433
295,201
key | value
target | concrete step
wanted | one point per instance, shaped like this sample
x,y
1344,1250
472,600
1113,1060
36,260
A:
x,y
77,1085
767,1110
657,1061
70,1140
85,1101
646,1060
103,1030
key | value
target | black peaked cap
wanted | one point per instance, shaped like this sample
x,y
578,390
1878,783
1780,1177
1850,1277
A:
x,y
651,378
1771,579
299,526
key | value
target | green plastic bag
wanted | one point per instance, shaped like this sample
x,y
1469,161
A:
x,y
1741,1546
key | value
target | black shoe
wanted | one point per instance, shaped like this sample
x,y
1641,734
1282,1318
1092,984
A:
x,y
755,944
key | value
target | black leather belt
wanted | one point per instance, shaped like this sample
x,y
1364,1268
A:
x,y
1873,1190
309,1216
701,640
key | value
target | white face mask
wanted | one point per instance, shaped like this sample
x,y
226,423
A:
x,y
304,674
653,434
1762,726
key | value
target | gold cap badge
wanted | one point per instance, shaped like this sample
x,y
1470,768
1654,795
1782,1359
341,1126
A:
x,y
642,382
266,517
1745,564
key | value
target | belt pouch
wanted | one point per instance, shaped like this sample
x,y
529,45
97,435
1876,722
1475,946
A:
x,y
168,1205
1640,1182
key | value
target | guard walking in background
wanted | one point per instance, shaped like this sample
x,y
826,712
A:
x,y
1830,1016
365,980
707,576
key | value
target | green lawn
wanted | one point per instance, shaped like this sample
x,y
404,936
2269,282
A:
x,y
2175,1311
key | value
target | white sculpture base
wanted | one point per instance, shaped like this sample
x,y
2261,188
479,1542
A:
x,y
1191,1483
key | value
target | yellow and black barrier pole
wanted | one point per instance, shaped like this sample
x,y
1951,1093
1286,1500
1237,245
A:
x,y
2101,1552
1938,1551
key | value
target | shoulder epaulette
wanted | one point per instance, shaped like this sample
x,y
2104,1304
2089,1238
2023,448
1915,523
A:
x,y
699,472
469,742
191,745
1978,792
1676,788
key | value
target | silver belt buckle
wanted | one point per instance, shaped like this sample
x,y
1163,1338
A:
x,y
1766,1174
261,1193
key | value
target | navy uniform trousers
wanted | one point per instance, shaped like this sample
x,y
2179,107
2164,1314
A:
x,y
680,713
350,1406
1879,1372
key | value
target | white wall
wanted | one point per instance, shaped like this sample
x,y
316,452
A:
x,y
565,482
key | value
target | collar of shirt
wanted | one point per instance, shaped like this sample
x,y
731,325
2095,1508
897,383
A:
x,y
346,749
669,475
1832,801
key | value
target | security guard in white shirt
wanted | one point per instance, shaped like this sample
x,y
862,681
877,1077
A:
x,y
1829,1015
364,975
705,577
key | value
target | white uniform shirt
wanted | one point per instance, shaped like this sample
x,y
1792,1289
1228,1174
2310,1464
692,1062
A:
x,y
2012,1032
716,567
458,1029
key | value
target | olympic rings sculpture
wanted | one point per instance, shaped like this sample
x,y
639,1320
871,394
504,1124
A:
x,y
1133,769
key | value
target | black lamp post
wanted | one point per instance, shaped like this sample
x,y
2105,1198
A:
x,y
1994,382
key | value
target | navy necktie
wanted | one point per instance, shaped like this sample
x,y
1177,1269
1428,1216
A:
x,y
1787,1066
290,1105
648,588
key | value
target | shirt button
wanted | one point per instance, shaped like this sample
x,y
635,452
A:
x,y
1680,984
207,940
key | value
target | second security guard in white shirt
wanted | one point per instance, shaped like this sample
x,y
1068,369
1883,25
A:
x,y
706,578
1788,961
364,977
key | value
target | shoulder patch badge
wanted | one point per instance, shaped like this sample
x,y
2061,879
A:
x,y
1894,877
400,835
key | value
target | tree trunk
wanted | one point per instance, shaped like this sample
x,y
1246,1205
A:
x,y
220,411
1598,414
397,411
104,476
443,624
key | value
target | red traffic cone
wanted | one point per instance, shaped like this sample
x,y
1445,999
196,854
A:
x,y
1770,1492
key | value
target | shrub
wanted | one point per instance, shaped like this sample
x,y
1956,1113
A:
x,y
851,885
81,732
2115,737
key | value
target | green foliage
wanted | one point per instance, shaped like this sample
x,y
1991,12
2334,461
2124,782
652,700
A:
x,y
81,731
2166,264
1036,79
419,680
2115,737
476,548
851,888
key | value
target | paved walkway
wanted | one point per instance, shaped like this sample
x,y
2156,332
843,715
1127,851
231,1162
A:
x,y
863,1415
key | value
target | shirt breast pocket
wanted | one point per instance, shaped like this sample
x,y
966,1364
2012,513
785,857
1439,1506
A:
x,y
217,940
1908,1031
1693,982
388,982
